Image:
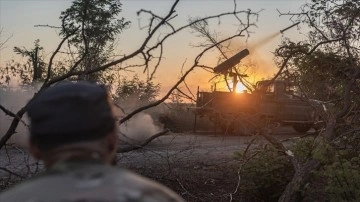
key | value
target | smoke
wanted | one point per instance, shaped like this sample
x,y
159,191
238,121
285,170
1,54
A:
x,y
260,52
13,99
261,57
263,41
138,128
142,125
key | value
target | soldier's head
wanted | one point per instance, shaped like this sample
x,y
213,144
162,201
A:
x,y
70,121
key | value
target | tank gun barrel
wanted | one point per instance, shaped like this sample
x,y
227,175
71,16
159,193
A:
x,y
229,63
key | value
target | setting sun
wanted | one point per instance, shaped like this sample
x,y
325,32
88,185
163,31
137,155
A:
x,y
240,88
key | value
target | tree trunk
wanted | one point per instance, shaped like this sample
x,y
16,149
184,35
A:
x,y
293,190
303,172
12,128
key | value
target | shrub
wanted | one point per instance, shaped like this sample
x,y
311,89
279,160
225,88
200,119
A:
x,y
265,175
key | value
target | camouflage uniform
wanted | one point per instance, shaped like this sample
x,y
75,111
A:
x,y
91,182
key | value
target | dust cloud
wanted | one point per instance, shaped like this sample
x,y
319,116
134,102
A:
x,y
13,99
138,128
141,126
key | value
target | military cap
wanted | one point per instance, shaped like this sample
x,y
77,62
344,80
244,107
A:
x,y
69,112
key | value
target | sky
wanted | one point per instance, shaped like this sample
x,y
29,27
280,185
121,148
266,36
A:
x,y
19,17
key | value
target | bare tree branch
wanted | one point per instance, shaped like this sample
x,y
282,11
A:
x,y
11,173
2,43
145,49
48,26
10,113
143,144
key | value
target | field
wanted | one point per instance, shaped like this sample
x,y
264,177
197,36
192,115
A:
x,y
200,166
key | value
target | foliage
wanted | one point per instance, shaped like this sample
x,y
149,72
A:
x,y
96,25
343,174
334,19
265,175
144,91
343,178
13,70
339,177
99,19
33,70
266,171
326,65
23,73
303,149
329,56
330,71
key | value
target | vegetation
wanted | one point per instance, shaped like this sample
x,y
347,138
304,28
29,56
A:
x,y
144,91
88,31
90,28
265,173
32,71
325,66
94,26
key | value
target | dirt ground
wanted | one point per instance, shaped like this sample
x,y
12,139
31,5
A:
x,y
199,166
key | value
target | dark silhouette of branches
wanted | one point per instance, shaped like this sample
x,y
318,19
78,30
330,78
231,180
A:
x,y
53,56
333,34
12,173
143,144
12,127
2,43
145,49
11,114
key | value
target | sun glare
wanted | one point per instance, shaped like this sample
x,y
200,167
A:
x,y
240,88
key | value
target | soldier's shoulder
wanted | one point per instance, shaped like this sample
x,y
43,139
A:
x,y
146,187
94,182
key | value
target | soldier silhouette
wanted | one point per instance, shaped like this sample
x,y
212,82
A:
x,y
73,131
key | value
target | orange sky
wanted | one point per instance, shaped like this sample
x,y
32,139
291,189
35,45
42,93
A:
x,y
17,18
